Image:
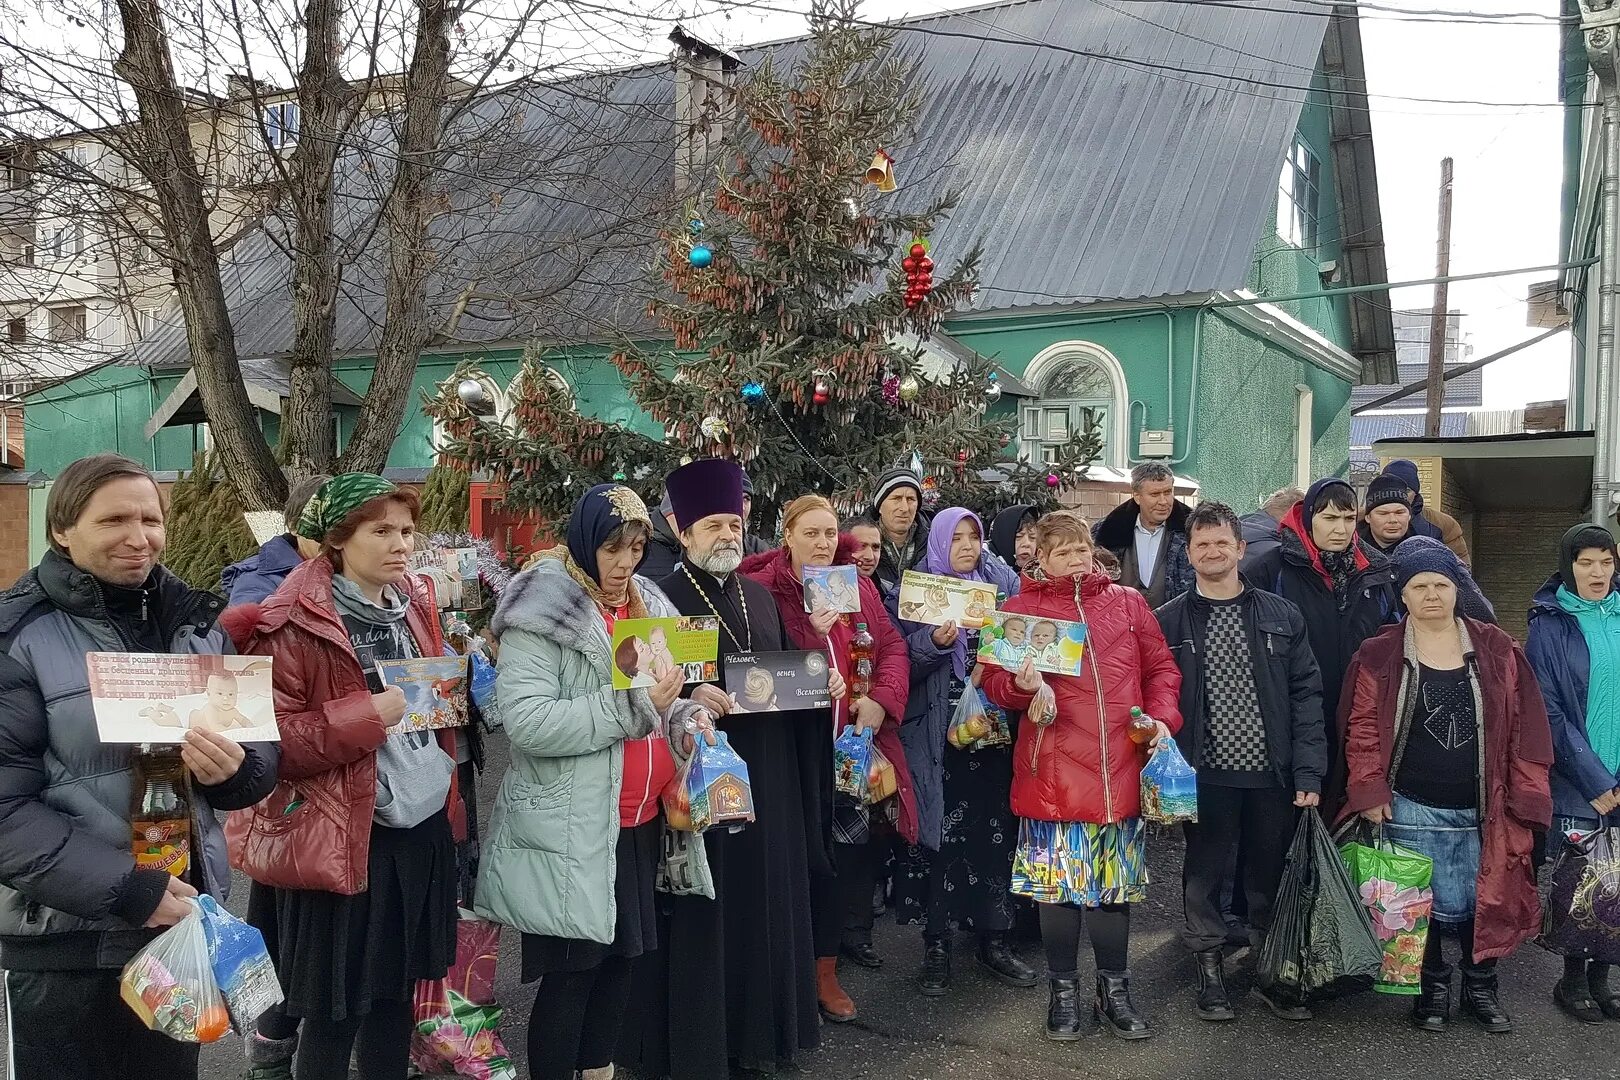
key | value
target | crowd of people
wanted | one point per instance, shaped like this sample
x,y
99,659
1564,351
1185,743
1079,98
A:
x,y
1321,654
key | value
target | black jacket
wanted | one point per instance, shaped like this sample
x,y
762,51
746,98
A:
x,y
1261,533
1117,533
888,569
663,550
70,894
1285,678
1335,636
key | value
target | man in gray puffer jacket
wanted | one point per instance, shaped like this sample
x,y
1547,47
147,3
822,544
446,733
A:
x,y
74,907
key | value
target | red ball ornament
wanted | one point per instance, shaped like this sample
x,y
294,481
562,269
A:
x,y
820,397
925,265
919,251
908,264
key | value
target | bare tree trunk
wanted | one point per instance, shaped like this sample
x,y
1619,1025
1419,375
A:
x,y
170,163
306,426
408,211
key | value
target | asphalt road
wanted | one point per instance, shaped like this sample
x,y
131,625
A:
x,y
985,1031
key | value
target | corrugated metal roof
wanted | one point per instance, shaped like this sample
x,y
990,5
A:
x,y
1465,391
1107,166
1370,427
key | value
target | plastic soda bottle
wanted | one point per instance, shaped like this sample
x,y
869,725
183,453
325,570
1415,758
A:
x,y
862,648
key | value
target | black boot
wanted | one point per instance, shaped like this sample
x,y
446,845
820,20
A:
x,y
1212,1002
1573,993
1063,1020
1597,979
1479,998
936,969
1431,1009
862,953
997,957
1114,1005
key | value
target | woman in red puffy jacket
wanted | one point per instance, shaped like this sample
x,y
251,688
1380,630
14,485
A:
x,y
1076,776
842,909
352,857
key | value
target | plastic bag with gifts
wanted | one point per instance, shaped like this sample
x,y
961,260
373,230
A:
x,y
457,1020
711,789
1169,787
1582,913
241,964
170,984
481,690
1320,943
881,781
1393,882
1043,709
852,757
971,721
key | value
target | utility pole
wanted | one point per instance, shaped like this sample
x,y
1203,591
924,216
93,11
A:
x,y
1600,20
1439,321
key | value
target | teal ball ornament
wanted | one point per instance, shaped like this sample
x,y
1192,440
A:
x,y
700,257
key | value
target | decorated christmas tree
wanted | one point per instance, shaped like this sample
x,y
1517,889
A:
x,y
794,294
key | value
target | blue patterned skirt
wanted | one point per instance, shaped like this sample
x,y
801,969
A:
x,y
1081,863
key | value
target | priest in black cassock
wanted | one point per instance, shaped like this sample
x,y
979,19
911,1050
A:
x,y
735,981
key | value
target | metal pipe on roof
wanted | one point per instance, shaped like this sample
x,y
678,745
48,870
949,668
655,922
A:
x,y
1600,22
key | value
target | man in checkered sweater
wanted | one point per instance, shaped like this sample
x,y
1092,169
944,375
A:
x,y
1251,706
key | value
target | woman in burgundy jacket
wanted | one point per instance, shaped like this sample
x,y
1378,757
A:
x,y
1082,845
842,911
353,855
1447,748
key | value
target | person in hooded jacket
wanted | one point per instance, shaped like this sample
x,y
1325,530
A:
x,y
663,546
959,870
260,574
1012,536
842,913
574,872
1574,649
75,905
1344,589
353,855
1447,749
1428,520
1076,789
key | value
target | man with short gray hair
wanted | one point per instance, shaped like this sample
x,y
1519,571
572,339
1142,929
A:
x,y
1262,530
1147,533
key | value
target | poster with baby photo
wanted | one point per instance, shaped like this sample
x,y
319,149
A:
x,y
1009,639
644,649
936,600
152,698
832,588
435,691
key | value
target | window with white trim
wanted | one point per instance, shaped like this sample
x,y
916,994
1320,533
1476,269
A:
x,y
70,322
1299,197
281,125
1076,395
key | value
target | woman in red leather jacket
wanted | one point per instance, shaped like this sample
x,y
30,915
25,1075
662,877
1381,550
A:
x,y
1076,779
842,908
353,855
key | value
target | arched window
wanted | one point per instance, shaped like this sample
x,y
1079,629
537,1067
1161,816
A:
x,y
1079,384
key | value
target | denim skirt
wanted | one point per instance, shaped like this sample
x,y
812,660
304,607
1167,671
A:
x,y
1451,839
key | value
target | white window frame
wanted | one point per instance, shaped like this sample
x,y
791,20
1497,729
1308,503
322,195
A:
x,y
1299,197
1116,429
62,310
1304,435
279,123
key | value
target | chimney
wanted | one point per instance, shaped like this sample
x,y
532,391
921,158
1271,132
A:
x,y
703,73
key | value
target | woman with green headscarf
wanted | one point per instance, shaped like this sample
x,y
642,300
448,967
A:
x,y
353,857
1574,647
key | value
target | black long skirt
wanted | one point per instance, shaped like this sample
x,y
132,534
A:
x,y
965,883
336,954
635,924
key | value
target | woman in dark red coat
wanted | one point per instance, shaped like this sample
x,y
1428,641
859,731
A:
x,y
1076,779
1447,748
842,911
353,856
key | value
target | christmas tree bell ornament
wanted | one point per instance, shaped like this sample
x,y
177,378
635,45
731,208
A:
x,y
909,389
880,174
700,256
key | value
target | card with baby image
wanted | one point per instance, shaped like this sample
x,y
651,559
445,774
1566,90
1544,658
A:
x,y
936,600
1009,638
834,588
435,691
156,698
644,649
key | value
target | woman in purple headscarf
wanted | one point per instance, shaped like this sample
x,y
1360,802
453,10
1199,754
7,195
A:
x,y
959,871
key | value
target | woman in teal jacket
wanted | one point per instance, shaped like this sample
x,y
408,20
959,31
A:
x,y
577,833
